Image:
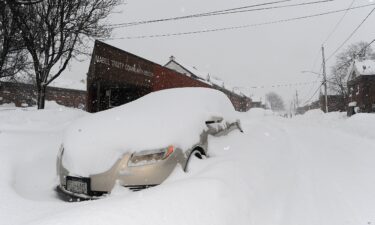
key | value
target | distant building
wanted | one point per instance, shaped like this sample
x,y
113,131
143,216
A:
x,y
335,103
256,102
242,102
24,95
361,86
314,105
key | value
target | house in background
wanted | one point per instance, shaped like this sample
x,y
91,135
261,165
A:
x,y
189,71
313,105
336,102
361,86
63,92
257,102
242,102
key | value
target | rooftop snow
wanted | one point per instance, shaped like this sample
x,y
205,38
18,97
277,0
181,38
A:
x,y
69,83
193,70
365,67
206,77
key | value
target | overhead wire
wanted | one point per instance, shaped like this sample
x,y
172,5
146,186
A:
x,y
282,85
316,91
338,23
316,80
221,12
331,33
350,36
242,26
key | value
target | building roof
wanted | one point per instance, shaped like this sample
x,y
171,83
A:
x,y
365,67
189,69
361,68
203,76
66,83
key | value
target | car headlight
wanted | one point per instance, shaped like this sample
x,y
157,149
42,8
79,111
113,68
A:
x,y
150,156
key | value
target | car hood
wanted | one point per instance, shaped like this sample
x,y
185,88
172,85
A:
x,y
92,144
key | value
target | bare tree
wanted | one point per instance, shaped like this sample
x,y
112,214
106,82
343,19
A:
x,y
275,101
338,78
55,31
13,55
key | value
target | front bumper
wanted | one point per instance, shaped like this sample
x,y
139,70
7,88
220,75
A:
x,y
74,197
133,177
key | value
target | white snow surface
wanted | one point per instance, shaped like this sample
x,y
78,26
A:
x,y
314,169
168,117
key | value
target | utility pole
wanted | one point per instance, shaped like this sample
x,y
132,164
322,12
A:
x,y
325,79
297,99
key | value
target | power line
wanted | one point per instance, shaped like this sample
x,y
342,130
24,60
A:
x,y
316,80
220,12
338,23
351,35
282,85
242,26
313,94
199,14
331,33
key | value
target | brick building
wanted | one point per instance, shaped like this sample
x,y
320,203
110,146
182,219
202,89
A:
x,y
335,103
361,86
117,77
22,94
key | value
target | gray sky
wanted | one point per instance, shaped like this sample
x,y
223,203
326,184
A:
x,y
251,57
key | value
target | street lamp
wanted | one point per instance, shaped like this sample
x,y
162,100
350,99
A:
x,y
324,82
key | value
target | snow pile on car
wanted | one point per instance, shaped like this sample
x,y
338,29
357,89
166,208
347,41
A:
x,y
169,117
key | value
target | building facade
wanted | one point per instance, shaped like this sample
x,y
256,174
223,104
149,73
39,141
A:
x,y
361,87
117,77
24,95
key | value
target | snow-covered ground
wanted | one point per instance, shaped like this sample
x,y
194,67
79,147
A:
x,y
311,169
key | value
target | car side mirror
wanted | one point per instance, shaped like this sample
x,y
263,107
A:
x,y
215,124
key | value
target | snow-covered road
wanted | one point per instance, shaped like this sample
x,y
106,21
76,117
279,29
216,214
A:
x,y
312,169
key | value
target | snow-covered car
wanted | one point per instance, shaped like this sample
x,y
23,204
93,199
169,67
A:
x,y
139,144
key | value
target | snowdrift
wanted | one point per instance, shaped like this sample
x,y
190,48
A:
x,y
169,117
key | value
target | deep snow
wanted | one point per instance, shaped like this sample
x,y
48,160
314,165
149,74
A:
x,y
157,120
311,169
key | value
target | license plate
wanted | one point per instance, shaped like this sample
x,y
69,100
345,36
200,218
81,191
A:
x,y
76,185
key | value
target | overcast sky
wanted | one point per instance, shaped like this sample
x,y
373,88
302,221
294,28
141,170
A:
x,y
250,57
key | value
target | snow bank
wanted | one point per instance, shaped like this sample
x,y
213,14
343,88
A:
x,y
157,120
281,171
15,118
361,124
317,115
